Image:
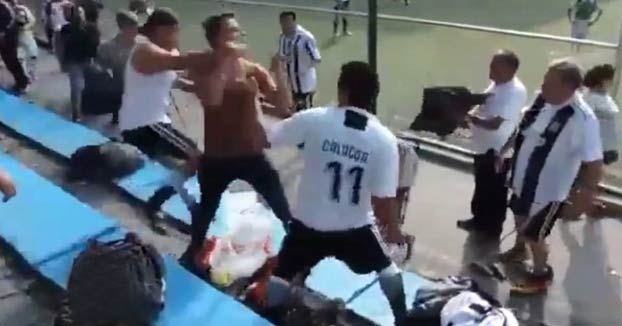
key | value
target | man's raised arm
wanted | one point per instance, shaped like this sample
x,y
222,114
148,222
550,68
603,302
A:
x,y
150,59
273,86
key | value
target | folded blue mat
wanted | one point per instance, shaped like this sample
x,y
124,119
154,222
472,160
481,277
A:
x,y
49,228
43,222
64,137
192,302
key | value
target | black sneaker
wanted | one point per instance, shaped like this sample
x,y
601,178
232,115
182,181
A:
x,y
187,261
467,225
535,282
156,221
19,90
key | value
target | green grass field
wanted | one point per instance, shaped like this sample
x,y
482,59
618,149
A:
x,y
414,56
410,56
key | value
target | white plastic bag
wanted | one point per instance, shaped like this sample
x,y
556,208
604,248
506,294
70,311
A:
x,y
244,249
458,311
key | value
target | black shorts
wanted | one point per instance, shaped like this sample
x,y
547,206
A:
x,y
361,249
303,101
161,139
538,226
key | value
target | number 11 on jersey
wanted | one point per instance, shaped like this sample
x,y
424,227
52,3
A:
x,y
355,176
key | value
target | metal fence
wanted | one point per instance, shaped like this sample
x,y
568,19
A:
x,y
483,29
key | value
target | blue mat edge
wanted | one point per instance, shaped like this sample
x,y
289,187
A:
x,y
16,129
49,268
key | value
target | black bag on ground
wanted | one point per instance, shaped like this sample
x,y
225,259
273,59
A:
x,y
102,94
109,161
115,283
430,299
444,108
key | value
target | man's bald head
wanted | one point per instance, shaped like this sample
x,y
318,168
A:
x,y
503,66
561,81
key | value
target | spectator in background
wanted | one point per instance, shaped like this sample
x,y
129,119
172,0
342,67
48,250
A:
x,y
81,39
141,7
91,9
59,11
492,124
113,54
582,16
557,167
46,12
9,40
598,82
341,5
27,43
298,48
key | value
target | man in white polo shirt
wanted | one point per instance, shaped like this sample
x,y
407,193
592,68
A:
x,y
492,124
299,49
350,171
556,167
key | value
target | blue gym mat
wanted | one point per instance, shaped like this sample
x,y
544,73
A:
x,y
190,301
64,137
49,228
43,222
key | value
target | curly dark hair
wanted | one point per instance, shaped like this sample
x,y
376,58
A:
x,y
598,74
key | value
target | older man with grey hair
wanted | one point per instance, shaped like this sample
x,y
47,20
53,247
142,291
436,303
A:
x,y
556,167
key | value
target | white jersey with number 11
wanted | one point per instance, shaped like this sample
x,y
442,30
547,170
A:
x,y
349,156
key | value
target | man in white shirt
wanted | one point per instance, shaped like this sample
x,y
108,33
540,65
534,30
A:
x,y
144,115
299,49
492,124
350,172
556,167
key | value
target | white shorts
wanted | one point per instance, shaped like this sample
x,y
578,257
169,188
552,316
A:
x,y
580,29
28,46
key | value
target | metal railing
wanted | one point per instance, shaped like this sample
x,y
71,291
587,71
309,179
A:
x,y
485,29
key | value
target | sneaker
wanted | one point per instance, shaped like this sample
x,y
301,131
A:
x,y
20,90
535,283
466,225
514,255
347,33
336,34
187,261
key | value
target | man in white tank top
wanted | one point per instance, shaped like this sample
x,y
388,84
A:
x,y
143,118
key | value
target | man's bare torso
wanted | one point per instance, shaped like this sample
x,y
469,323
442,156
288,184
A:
x,y
232,128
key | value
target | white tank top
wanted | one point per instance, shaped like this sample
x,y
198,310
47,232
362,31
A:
x,y
146,98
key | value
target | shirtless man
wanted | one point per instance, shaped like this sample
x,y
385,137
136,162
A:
x,y
229,87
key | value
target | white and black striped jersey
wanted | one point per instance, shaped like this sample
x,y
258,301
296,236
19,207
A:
x,y
552,143
302,55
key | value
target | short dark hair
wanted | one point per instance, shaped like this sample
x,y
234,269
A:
x,y
286,14
361,84
126,18
569,71
509,58
213,24
161,17
598,74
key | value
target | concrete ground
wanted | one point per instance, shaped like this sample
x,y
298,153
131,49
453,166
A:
x,y
583,254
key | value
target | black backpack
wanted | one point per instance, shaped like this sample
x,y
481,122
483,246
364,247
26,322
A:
x,y
102,94
106,162
115,283
444,108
